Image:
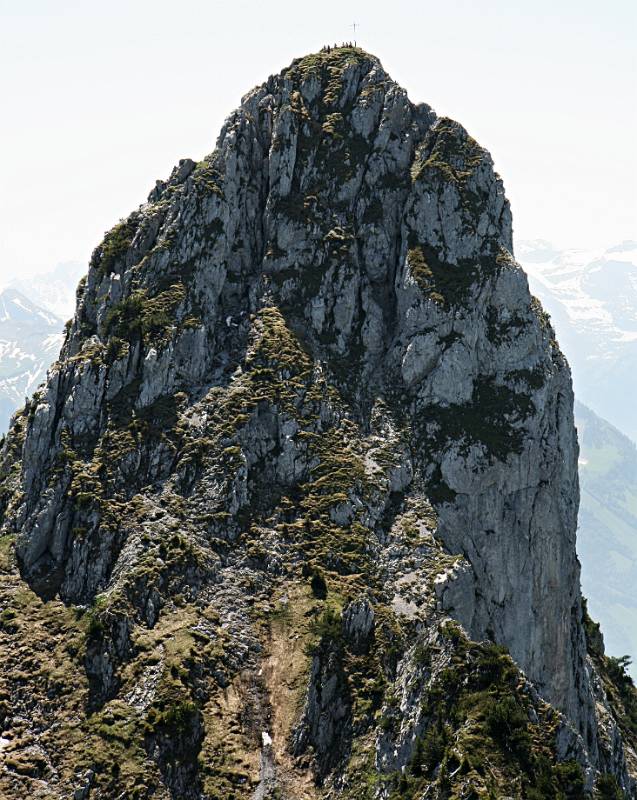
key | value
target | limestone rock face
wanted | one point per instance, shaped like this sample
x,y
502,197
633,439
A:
x,y
358,624
306,414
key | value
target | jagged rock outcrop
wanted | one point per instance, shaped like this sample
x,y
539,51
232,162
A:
x,y
307,413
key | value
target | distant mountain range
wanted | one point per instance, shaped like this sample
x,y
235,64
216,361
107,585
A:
x,y
592,299
30,338
32,316
54,290
607,534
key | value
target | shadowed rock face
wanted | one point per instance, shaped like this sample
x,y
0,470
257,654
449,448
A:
x,y
307,394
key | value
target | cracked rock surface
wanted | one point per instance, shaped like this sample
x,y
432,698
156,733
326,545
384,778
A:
x,y
294,514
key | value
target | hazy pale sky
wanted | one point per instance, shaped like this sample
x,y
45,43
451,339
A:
x,y
99,99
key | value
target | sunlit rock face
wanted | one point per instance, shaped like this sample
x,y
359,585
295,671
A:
x,y
306,420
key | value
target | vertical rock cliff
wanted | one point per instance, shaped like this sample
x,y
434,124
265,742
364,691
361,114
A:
x,y
294,514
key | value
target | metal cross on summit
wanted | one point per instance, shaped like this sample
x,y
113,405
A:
x,y
354,25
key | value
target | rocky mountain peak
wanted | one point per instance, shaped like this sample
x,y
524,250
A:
x,y
306,470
